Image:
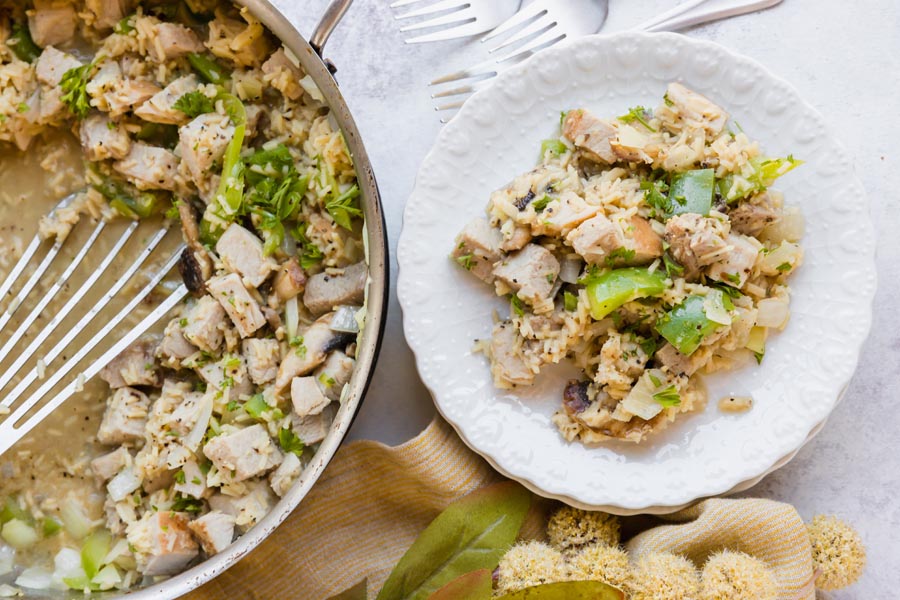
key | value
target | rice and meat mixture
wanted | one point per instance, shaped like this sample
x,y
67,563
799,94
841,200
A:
x,y
194,112
647,248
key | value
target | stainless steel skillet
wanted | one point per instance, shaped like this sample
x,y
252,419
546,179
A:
x,y
309,53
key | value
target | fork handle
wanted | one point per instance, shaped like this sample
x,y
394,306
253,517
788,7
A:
x,y
716,9
672,13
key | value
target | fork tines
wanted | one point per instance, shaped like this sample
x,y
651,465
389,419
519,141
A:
x,y
37,298
456,18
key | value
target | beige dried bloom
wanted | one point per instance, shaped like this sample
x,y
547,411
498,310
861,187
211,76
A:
x,y
838,552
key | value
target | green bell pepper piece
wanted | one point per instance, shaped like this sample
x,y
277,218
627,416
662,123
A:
x,y
692,192
686,325
610,290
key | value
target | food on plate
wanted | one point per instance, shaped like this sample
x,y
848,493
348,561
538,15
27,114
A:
x,y
193,112
648,248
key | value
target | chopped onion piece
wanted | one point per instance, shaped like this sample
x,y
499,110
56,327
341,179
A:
x,y
344,320
310,87
36,578
19,534
714,307
7,559
640,401
123,484
790,227
292,317
8,591
74,519
67,563
570,270
107,578
193,439
773,312
782,259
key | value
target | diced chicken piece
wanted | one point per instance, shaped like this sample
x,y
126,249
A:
x,y
107,13
149,167
107,466
519,238
193,482
283,74
318,341
171,40
286,474
752,216
101,138
111,92
335,374
238,303
203,142
508,366
564,214
134,366
262,357
205,324
52,64
326,292
695,109
215,530
307,396
174,347
590,134
161,107
249,509
478,248
229,373
246,452
531,273
242,253
599,240
162,543
695,241
187,413
52,22
290,280
312,429
125,417
734,267
676,362
255,114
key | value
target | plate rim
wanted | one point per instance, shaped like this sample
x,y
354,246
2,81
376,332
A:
x,y
725,484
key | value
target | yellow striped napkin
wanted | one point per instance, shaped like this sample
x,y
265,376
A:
x,y
374,500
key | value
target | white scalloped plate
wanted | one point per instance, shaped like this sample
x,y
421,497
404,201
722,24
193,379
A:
x,y
496,136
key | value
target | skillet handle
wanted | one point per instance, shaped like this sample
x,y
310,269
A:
x,y
326,25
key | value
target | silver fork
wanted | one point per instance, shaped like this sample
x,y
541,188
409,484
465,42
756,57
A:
x,y
538,25
685,14
460,18
18,416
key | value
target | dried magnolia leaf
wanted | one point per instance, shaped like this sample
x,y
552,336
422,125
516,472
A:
x,y
357,592
471,586
471,534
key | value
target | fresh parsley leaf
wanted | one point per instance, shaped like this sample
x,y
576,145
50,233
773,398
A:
x,y
342,208
180,477
554,147
194,104
668,396
232,406
289,441
326,380
21,43
655,195
672,267
74,86
256,406
784,267
125,26
639,114
187,504
732,278
667,100
648,346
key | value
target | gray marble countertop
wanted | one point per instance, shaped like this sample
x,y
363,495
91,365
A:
x,y
844,57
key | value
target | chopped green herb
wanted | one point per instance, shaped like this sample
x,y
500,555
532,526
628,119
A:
x,y
540,205
648,346
180,477
551,278
570,301
183,322
784,267
325,380
208,69
732,278
231,362
309,253
517,305
466,260
672,267
196,481
623,254
232,406
256,406
23,107
668,396
667,100
655,197
125,26
21,43
74,85
289,441
639,114
194,104
554,147
187,504
342,209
